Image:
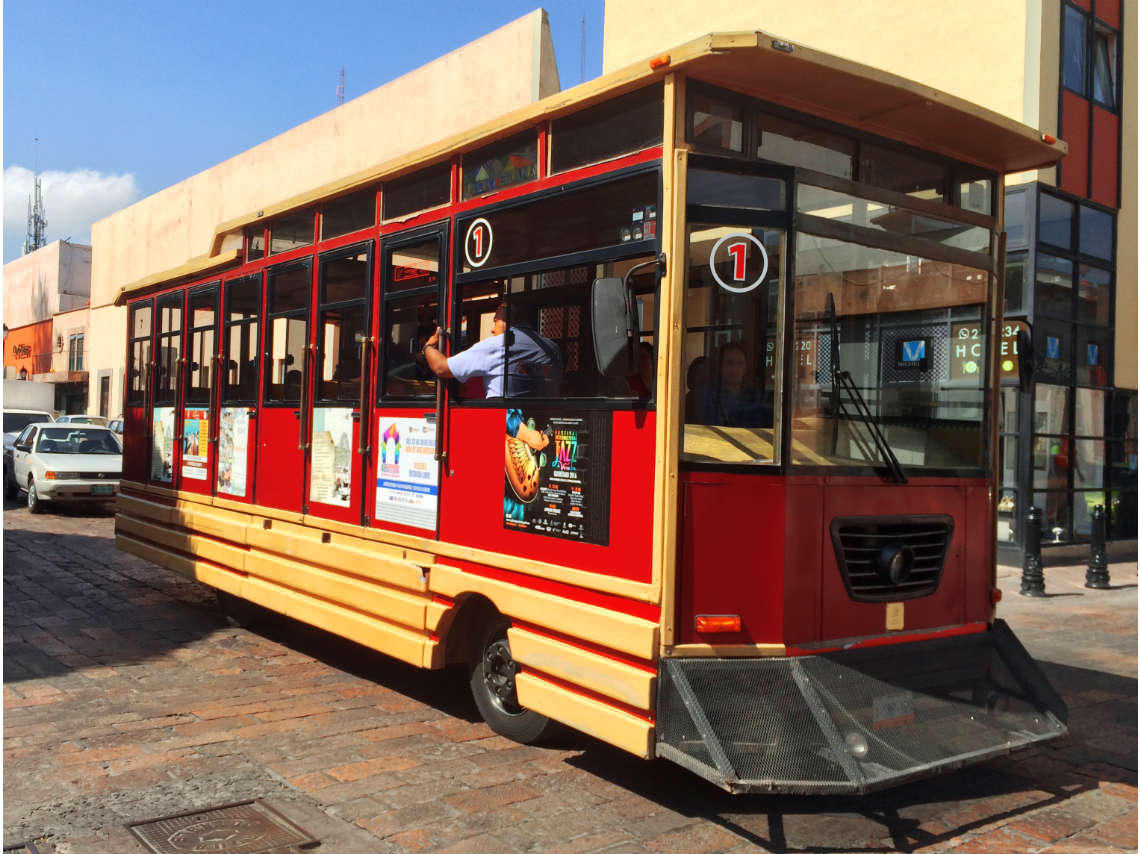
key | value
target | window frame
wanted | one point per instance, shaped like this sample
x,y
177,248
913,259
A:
x,y
367,247
191,329
142,398
303,263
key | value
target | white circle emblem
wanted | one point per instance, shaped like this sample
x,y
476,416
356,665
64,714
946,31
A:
x,y
739,289
482,253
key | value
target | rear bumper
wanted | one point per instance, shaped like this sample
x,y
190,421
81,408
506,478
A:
x,y
858,720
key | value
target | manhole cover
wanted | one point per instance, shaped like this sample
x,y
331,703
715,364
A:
x,y
246,827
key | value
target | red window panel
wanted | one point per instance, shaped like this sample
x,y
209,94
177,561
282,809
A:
x,y
1084,4
1105,157
1109,12
1074,174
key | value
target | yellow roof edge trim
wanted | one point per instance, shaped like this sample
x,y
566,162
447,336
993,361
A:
x,y
191,269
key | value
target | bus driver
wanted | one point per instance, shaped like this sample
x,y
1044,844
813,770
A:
x,y
534,363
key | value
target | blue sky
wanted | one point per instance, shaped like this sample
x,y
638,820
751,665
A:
x,y
129,97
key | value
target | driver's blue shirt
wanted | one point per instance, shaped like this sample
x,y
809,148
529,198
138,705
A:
x,y
534,363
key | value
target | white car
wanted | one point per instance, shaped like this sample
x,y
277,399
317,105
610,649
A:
x,y
98,420
65,462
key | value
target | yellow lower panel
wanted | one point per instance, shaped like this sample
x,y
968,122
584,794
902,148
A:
x,y
591,716
360,557
217,523
201,547
141,508
597,625
387,638
394,605
599,674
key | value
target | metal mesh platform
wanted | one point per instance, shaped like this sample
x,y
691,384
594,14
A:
x,y
857,720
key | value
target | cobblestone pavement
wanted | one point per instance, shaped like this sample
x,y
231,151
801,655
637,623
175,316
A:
x,y
127,697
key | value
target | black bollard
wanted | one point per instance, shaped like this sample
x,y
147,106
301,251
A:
x,y
1032,578
1096,577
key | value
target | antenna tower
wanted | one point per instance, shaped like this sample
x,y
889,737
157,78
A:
x,y
340,88
582,67
37,222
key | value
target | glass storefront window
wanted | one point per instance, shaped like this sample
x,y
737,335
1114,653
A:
x,y
1056,222
1051,409
1084,501
1053,350
1056,521
1052,458
1096,233
1010,405
1094,348
1088,413
1088,469
1054,285
1094,296
1122,515
1016,269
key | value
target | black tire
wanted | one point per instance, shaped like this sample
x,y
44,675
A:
x,y
493,687
11,488
35,503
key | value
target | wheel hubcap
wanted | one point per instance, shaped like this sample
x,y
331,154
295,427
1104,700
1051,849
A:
x,y
499,670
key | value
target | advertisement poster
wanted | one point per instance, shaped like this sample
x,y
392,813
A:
x,y
557,474
233,450
162,445
407,474
196,444
330,480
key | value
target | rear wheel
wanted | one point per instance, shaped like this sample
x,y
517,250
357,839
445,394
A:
x,y
35,503
493,687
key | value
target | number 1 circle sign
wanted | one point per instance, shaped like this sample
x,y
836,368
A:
x,y
736,246
477,243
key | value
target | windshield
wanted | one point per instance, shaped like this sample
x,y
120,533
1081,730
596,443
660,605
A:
x,y
61,440
85,419
903,333
14,422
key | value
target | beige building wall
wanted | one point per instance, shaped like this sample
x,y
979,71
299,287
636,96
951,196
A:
x,y
107,351
65,325
54,278
502,71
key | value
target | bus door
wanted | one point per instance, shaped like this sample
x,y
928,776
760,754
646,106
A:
x,y
731,493
239,379
405,466
200,400
165,450
338,416
136,412
282,435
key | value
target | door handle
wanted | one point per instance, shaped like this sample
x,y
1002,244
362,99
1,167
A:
x,y
363,448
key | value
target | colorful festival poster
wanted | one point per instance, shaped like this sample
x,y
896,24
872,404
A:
x,y
330,472
233,450
557,474
407,473
196,444
162,445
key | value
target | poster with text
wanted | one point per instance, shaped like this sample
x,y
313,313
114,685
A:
x,y
233,450
557,474
196,444
162,445
330,473
407,474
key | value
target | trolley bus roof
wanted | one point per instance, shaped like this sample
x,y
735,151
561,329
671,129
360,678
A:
x,y
752,63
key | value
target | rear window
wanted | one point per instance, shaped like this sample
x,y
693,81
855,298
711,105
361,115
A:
x,y
14,422
62,440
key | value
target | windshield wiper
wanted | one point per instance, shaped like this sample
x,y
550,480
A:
x,y
841,381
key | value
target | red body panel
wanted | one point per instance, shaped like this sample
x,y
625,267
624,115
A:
x,y
280,464
1109,12
135,463
471,510
760,547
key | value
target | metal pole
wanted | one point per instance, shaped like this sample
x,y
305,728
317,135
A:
x,y
1096,577
1032,578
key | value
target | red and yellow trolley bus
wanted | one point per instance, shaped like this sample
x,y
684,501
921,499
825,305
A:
x,y
723,492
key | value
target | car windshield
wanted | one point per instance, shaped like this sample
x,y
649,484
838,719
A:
x,y
60,440
85,419
14,422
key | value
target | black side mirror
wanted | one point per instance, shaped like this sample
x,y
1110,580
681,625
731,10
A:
x,y
614,325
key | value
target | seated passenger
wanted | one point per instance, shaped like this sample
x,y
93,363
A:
x,y
731,400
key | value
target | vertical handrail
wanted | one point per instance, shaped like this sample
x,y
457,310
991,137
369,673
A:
x,y
362,447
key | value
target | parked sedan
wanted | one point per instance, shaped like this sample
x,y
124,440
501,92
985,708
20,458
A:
x,y
66,463
98,420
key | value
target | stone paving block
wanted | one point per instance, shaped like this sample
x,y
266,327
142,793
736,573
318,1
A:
x,y
1051,824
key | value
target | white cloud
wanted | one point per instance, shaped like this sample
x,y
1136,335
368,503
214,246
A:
x,y
72,202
